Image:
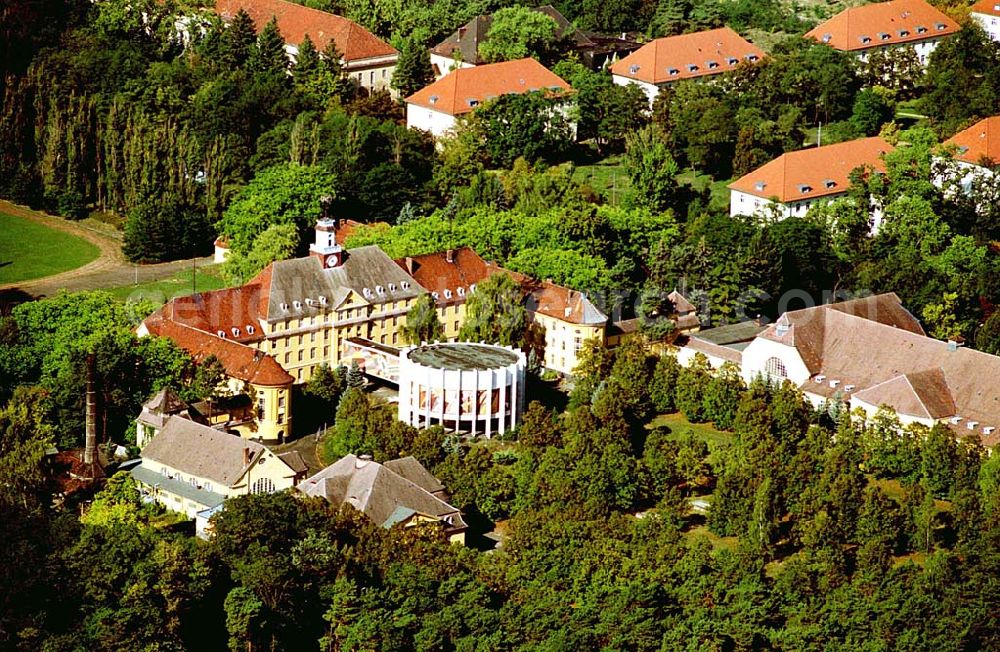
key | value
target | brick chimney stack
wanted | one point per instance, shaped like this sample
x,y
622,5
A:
x,y
90,445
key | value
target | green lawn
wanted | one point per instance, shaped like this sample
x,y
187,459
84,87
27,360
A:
x,y
29,250
681,427
180,285
606,177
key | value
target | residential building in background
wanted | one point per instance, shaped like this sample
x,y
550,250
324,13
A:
x,y
987,14
792,183
884,26
700,55
368,60
461,48
436,107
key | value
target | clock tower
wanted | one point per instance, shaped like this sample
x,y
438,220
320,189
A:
x,y
325,247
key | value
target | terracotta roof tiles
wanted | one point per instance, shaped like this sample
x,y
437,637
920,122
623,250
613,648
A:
x,y
435,273
687,56
813,172
461,90
295,21
988,7
978,143
239,360
884,23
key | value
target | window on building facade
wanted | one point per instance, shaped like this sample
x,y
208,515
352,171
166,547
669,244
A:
x,y
312,336
775,368
312,353
260,408
262,486
300,355
288,357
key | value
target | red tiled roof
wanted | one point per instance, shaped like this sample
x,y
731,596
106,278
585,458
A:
x,y
461,90
979,142
813,172
884,23
988,7
686,56
239,360
556,301
295,21
436,274
234,311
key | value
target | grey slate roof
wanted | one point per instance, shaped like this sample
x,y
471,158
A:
x,y
468,37
370,267
186,490
298,279
161,406
377,491
409,468
201,451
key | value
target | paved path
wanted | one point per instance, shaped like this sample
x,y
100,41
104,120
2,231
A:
x,y
108,270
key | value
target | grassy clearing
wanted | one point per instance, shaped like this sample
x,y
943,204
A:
x,y
29,250
681,427
606,177
159,292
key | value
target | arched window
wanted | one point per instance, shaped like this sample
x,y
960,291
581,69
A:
x,y
262,486
774,368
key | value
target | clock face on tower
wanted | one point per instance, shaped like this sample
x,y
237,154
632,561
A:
x,y
331,260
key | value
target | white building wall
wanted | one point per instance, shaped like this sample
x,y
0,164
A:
x,y
743,203
989,23
452,396
923,49
443,65
756,355
437,123
651,90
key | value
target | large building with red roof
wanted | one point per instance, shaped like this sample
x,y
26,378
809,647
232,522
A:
x,y
987,14
979,144
368,60
792,183
436,107
885,25
668,60
333,306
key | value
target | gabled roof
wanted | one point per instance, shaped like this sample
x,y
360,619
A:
x,y
872,341
370,267
165,401
234,311
987,7
461,90
436,274
813,172
295,21
194,449
377,491
922,394
681,303
298,287
556,301
239,360
687,56
884,23
979,142
408,467
466,39
161,406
